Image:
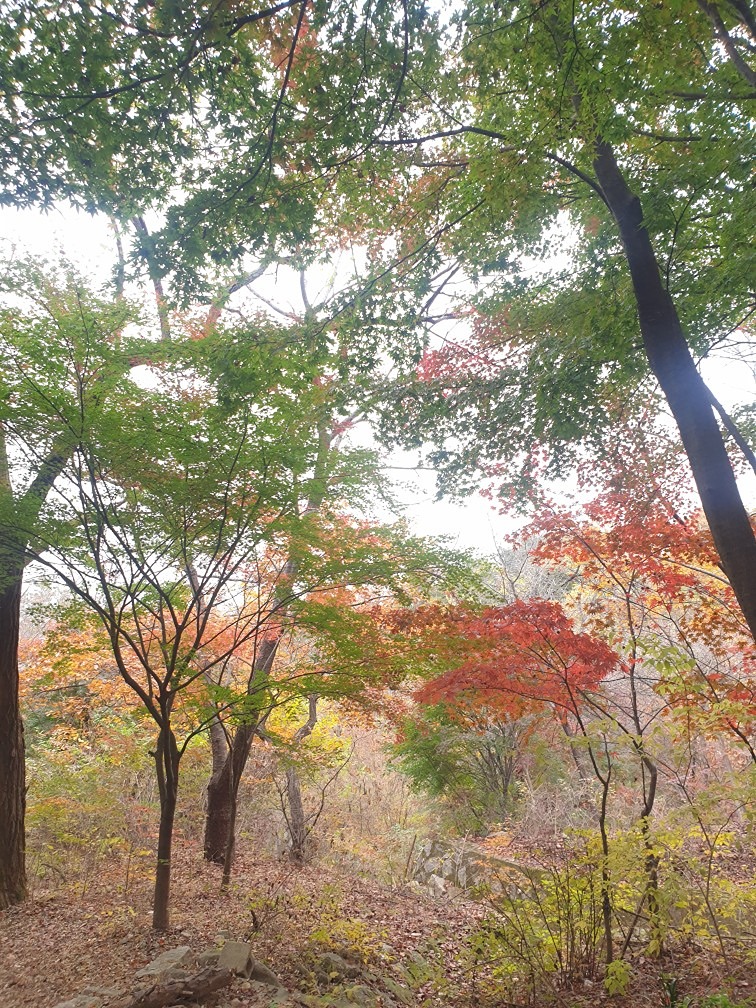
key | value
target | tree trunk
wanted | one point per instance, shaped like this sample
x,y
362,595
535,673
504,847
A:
x,y
228,858
688,397
167,763
14,534
577,753
13,775
295,820
222,794
228,766
651,859
229,761
238,757
606,881
218,814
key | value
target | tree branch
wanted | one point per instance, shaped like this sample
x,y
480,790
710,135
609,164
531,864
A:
x,y
731,428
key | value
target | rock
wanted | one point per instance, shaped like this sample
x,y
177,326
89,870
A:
x,y
261,974
357,995
401,994
415,971
303,970
237,957
436,886
471,868
415,888
270,998
167,991
332,964
177,974
165,963
361,995
209,957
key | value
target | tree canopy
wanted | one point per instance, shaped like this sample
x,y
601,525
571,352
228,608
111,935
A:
x,y
545,212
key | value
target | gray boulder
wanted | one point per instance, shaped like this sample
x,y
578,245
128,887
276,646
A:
x,y
237,957
165,963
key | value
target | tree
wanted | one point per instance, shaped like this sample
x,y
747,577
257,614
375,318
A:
x,y
62,354
648,576
467,755
590,121
343,337
123,537
75,457
646,581
526,653
320,641
120,111
103,107
522,659
233,127
170,501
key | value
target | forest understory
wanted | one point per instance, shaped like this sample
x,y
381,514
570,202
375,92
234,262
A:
x,y
356,895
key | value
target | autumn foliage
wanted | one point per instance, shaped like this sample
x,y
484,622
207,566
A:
x,y
647,579
521,656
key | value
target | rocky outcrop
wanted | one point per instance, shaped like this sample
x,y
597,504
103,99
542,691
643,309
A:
x,y
440,865
228,975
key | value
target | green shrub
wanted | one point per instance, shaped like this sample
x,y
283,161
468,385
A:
x,y
546,940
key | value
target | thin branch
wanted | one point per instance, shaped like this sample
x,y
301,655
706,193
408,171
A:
x,y
731,428
147,249
416,141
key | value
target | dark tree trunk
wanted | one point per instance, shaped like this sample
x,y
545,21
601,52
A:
x,y
218,815
167,763
688,397
238,757
228,766
222,792
13,773
13,557
606,881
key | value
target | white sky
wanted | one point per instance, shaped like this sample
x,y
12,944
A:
x,y
88,242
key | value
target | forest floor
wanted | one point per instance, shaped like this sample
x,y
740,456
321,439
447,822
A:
x,y
97,931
